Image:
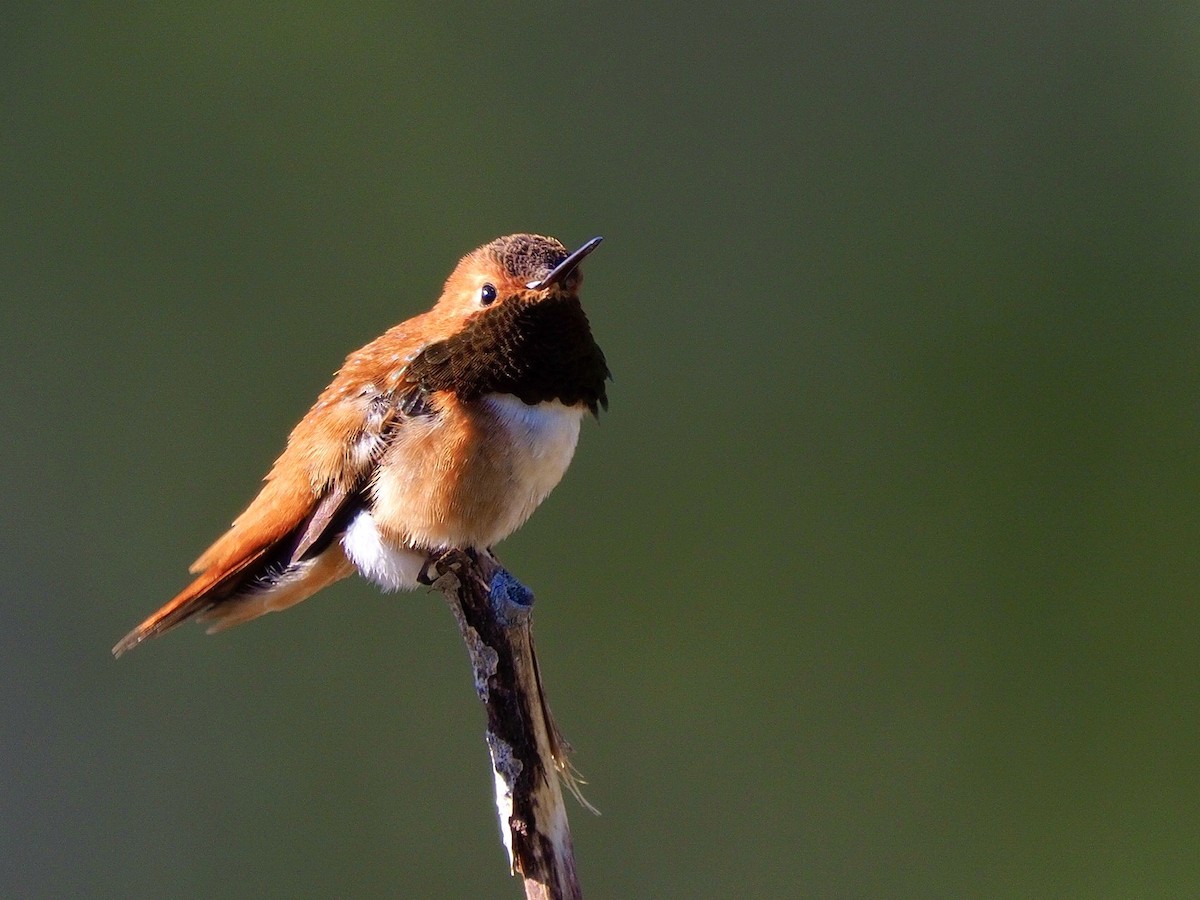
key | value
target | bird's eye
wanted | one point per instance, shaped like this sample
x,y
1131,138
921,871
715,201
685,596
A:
x,y
487,295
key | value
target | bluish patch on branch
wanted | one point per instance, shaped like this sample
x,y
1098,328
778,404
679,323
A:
x,y
511,601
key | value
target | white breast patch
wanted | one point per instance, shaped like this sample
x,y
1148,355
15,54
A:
x,y
543,439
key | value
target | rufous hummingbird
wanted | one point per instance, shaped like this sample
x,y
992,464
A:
x,y
444,433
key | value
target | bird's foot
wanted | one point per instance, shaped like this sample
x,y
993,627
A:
x,y
438,564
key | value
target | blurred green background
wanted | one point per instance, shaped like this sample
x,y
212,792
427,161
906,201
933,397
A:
x,y
879,578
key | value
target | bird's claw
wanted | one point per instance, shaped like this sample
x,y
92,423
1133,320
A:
x,y
453,561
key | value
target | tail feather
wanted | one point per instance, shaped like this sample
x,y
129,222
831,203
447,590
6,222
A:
x,y
201,596
252,589
298,582
261,565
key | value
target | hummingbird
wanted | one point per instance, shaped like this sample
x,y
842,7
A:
x,y
444,433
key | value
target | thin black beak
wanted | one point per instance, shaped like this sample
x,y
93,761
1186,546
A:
x,y
567,266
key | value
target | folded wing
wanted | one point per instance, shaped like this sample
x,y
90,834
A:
x,y
284,547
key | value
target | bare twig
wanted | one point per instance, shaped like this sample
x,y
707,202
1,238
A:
x,y
529,756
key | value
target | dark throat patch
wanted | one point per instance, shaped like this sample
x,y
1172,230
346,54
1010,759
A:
x,y
536,350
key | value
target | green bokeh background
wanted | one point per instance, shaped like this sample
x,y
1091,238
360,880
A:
x,y
879,578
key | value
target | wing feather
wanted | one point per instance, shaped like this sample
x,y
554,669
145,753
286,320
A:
x,y
309,496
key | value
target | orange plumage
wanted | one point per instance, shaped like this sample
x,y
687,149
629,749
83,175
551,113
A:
x,y
446,431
